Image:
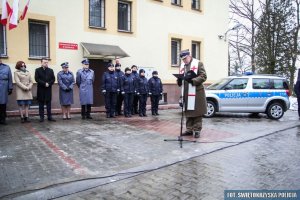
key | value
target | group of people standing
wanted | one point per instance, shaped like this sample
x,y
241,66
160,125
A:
x,y
131,87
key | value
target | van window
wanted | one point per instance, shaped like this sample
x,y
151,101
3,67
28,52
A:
x,y
279,84
238,83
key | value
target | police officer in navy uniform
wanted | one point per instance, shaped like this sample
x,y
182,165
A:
x,y
6,87
297,92
85,79
110,87
135,76
120,97
155,91
128,90
142,92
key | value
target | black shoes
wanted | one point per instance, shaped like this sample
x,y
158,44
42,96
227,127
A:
x,y
197,134
3,122
51,120
41,120
187,133
89,117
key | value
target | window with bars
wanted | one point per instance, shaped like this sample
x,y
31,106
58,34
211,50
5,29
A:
x,y
176,2
124,16
38,39
96,13
196,4
175,51
196,50
3,41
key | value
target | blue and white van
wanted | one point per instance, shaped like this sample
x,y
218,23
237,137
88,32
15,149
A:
x,y
249,94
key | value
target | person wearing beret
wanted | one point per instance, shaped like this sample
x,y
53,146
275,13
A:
x,y
6,87
193,94
66,83
110,87
84,80
120,97
24,84
135,76
142,91
155,92
44,76
128,90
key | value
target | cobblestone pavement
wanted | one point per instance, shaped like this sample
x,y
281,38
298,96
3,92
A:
x,y
268,163
43,155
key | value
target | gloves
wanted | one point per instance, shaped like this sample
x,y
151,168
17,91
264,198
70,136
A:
x,y
123,93
150,93
103,92
161,94
179,82
10,92
138,94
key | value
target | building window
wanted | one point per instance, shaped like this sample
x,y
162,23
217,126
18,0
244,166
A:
x,y
2,41
196,50
175,51
176,2
97,13
38,39
196,4
124,16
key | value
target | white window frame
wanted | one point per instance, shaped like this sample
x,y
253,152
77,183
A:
x,y
197,4
178,41
47,39
102,17
176,2
4,43
197,53
129,16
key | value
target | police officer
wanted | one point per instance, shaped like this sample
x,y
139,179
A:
x,y
84,79
6,87
110,87
155,91
142,92
128,90
65,79
297,92
120,97
135,76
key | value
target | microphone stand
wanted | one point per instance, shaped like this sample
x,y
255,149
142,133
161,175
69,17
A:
x,y
180,137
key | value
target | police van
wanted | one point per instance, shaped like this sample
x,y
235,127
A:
x,y
249,94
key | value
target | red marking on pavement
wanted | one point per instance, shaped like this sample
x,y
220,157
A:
x,y
67,159
167,127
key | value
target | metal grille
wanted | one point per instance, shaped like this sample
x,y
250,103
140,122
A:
x,y
97,13
196,50
196,4
175,50
38,39
2,40
124,16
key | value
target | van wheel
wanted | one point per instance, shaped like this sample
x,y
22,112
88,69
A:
x,y
211,109
275,111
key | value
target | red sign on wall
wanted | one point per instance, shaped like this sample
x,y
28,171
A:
x,y
64,45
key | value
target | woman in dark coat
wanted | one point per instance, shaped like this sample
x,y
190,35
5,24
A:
x,y
66,82
297,91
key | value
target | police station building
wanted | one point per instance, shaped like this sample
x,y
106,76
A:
x,y
146,33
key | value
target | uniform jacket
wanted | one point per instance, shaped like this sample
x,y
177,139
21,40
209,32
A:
x,y
23,82
110,82
85,80
155,86
128,84
201,105
142,85
66,83
6,83
43,76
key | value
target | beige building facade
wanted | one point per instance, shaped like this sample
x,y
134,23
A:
x,y
146,33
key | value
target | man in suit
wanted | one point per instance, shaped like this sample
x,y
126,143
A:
x,y
44,76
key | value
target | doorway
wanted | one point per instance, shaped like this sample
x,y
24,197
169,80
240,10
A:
x,y
99,67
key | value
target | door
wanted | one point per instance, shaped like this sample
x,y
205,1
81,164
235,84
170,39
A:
x,y
99,67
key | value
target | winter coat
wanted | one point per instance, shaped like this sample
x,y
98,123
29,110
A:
x,y
110,82
128,84
85,80
201,105
142,85
43,76
155,86
24,84
6,83
66,83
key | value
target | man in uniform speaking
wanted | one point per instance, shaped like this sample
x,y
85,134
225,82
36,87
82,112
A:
x,y
192,91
